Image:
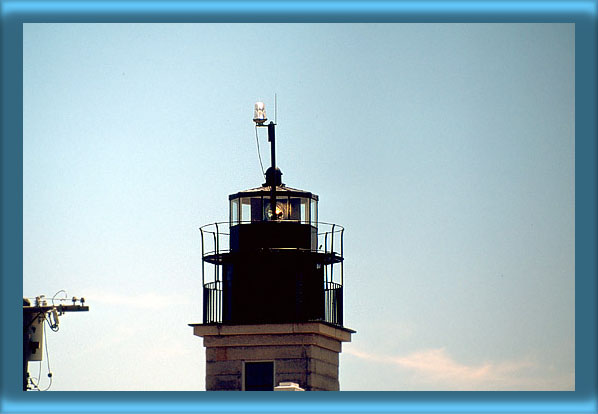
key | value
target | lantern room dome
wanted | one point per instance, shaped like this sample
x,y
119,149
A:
x,y
273,176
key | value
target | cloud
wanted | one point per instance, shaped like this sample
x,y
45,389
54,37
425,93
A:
x,y
438,364
435,369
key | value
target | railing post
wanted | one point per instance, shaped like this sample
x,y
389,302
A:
x,y
342,256
217,239
340,305
219,310
332,253
203,279
205,305
217,251
332,239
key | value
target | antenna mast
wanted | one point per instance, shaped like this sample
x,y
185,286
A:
x,y
273,175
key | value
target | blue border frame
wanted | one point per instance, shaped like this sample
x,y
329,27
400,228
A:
x,y
15,13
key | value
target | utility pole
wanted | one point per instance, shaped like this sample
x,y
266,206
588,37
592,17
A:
x,y
34,317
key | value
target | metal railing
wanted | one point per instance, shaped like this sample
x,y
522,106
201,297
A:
x,y
333,303
215,238
215,243
212,302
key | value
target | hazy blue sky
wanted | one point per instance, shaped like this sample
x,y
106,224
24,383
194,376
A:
x,y
446,151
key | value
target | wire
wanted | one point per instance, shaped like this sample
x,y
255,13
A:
x,y
50,384
54,326
39,375
56,294
56,299
48,360
258,151
33,384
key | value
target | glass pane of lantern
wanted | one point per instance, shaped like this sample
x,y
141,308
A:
x,y
256,209
234,212
304,210
267,213
282,205
314,212
294,209
245,210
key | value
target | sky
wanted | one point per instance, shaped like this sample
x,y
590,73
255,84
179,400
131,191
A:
x,y
445,150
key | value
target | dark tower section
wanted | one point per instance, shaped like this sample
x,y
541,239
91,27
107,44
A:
x,y
277,266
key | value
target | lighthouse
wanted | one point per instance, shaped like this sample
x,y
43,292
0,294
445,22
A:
x,y
272,279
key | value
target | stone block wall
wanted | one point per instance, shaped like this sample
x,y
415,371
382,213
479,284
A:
x,y
306,354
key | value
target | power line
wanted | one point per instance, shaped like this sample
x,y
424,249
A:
x,y
56,294
48,360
